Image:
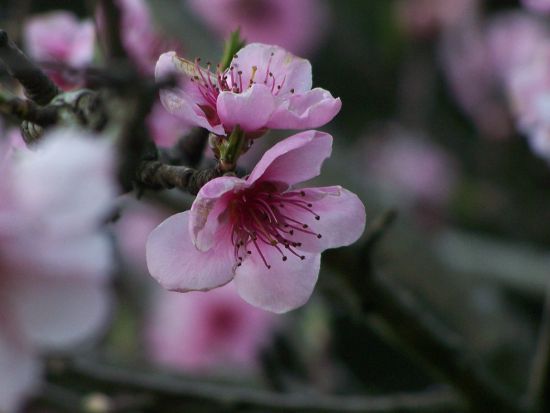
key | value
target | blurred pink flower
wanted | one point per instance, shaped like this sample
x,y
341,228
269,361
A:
x,y
265,87
132,229
470,73
258,231
410,168
542,6
54,262
142,40
520,46
425,18
58,37
296,25
165,128
207,332
513,39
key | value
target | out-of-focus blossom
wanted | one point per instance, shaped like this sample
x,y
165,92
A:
x,y
258,231
165,127
207,331
408,168
470,73
425,18
54,261
541,6
513,39
265,87
142,40
296,25
59,37
520,46
132,229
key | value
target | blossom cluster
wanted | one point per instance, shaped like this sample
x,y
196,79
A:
x,y
265,231
260,231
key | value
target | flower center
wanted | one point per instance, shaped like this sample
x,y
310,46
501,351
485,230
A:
x,y
263,218
211,84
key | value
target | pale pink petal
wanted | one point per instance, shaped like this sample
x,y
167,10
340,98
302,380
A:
x,y
43,182
311,109
83,44
542,6
207,209
283,287
19,373
295,159
341,218
179,101
250,109
288,71
178,265
58,312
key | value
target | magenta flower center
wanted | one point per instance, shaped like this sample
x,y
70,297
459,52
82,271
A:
x,y
263,218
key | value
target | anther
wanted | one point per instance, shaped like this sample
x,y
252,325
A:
x,y
319,236
284,258
291,90
302,257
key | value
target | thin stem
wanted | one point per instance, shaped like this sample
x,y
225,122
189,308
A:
x,y
221,397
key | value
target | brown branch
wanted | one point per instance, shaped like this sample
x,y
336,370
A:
x,y
38,87
112,30
158,175
222,397
538,394
23,109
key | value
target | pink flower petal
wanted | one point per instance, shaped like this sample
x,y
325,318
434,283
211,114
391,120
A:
x,y
341,223
207,208
177,100
42,182
59,312
20,372
250,109
288,71
295,159
311,109
283,287
177,265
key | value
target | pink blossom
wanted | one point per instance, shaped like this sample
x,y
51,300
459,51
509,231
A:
x,y
54,262
165,128
296,25
259,231
141,38
409,167
520,46
541,6
132,229
513,39
207,332
58,37
470,73
265,87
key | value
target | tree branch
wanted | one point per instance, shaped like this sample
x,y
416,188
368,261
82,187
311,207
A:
x,y
223,396
158,175
38,87
23,109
